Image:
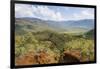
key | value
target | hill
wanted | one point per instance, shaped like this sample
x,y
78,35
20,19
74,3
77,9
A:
x,y
35,24
90,33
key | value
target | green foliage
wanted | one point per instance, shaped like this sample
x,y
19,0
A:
x,y
85,46
90,34
53,43
35,35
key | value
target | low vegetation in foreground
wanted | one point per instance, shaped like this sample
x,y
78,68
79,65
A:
x,y
46,47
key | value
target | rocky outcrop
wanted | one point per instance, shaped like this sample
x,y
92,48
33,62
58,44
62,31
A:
x,y
70,57
40,58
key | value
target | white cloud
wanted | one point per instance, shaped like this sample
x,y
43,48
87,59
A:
x,y
23,10
37,11
84,14
47,13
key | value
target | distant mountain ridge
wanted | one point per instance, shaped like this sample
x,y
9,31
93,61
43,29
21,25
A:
x,y
86,23
39,24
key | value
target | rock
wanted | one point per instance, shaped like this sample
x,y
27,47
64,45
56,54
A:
x,y
70,57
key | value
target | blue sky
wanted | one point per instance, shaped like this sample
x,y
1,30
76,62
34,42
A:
x,y
56,13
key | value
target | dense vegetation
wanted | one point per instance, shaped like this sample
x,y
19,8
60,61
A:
x,y
48,46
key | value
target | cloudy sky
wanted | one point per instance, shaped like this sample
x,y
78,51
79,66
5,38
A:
x,y
56,13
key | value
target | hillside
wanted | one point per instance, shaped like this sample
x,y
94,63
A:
x,y
34,24
44,42
90,33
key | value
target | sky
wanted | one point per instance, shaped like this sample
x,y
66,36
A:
x,y
55,13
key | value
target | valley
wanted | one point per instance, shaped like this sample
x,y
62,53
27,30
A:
x,y
40,41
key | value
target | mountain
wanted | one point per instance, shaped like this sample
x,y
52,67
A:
x,y
35,24
86,23
30,24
